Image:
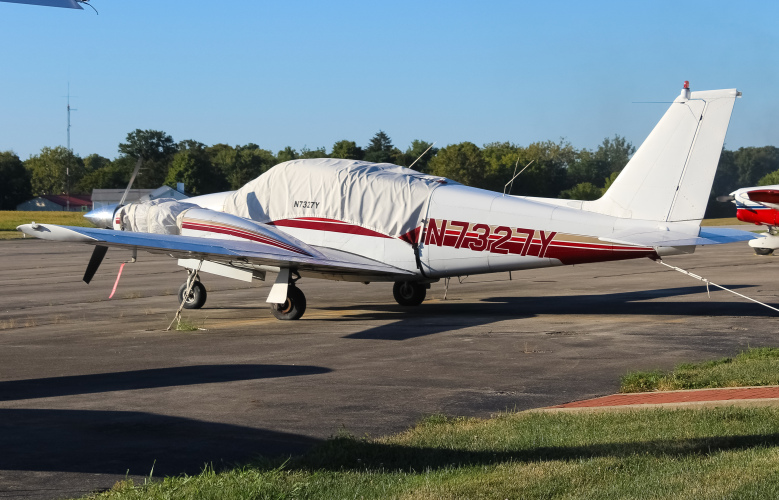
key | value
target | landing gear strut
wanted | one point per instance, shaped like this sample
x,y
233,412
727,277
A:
x,y
409,293
293,308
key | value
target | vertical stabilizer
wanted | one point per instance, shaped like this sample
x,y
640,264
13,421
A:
x,y
670,176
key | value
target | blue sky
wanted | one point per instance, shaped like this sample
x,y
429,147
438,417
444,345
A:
x,y
307,74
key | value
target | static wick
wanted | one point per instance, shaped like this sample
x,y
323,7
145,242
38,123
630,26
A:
x,y
701,278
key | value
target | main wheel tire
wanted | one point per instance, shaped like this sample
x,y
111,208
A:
x,y
197,295
409,293
764,251
293,308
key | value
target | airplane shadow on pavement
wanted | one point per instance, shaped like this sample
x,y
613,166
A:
x,y
128,442
116,442
147,379
442,316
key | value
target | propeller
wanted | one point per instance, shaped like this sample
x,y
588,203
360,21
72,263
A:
x,y
103,217
132,179
726,198
94,262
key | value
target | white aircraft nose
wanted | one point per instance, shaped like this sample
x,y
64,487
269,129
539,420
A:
x,y
102,217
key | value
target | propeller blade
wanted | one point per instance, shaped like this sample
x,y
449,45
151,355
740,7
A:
x,y
723,199
132,179
94,262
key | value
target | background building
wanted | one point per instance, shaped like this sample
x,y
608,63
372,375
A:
x,y
58,202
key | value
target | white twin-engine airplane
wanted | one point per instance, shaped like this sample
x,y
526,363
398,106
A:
x,y
358,221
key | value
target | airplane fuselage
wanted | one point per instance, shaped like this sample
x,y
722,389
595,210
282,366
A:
x,y
469,231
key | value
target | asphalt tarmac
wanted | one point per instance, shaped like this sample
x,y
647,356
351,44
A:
x,y
93,390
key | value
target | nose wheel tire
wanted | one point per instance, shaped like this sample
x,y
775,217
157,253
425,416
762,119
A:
x,y
196,298
293,308
409,293
764,251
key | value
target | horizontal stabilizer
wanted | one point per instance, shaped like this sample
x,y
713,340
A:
x,y
661,238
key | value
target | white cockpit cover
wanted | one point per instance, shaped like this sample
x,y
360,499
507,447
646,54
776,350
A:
x,y
158,216
382,197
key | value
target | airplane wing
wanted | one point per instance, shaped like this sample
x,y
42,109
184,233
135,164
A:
x,y
658,238
67,4
310,258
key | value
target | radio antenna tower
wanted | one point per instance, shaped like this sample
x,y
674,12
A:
x,y
69,110
67,168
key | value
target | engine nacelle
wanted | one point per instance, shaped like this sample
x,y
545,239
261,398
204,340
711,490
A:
x,y
206,223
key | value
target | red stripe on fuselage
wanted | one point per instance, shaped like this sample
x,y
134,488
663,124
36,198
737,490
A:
x,y
331,225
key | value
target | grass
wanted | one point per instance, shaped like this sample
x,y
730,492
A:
x,y
706,453
757,366
727,221
9,219
728,452
187,326
11,235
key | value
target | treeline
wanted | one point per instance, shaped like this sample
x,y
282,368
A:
x,y
556,169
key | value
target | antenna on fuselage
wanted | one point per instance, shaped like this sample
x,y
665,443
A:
x,y
423,154
515,176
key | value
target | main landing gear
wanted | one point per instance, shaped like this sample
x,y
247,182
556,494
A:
x,y
409,293
293,308
196,298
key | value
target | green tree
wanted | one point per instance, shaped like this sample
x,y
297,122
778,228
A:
x,y
593,167
253,161
725,182
769,179
95,162
287,154
14,181
380,148
313,153
544,163
462,162
347,150
582,191
193,168
157,149
755,163
54,171
101,173
414,152
238,165
609,181
614,153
